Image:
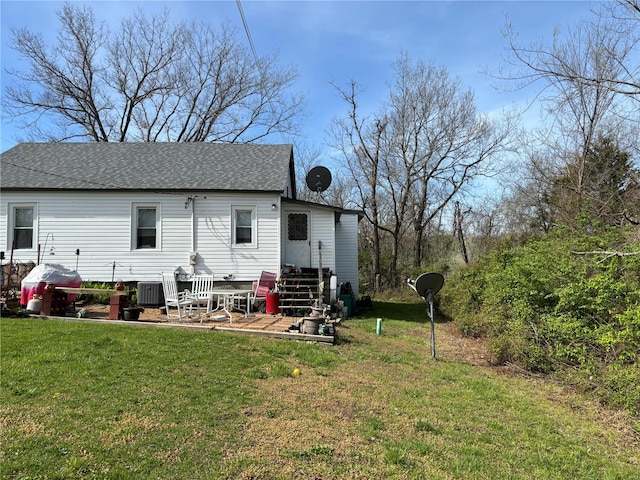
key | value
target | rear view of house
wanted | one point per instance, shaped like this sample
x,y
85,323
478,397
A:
x,y
131,211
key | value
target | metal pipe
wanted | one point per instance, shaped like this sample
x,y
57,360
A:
x,y
193,231
433,326
46,239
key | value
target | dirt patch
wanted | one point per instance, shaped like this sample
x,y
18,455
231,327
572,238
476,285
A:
x,y
453,344
101,312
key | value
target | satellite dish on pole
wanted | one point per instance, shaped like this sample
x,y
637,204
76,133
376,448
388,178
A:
x,y
428,282
318,179
427,285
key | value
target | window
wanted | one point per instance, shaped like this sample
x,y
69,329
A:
x,y
146,229
244,226
298,229
23,226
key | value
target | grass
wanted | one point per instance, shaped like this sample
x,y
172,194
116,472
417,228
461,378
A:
x,y
82,401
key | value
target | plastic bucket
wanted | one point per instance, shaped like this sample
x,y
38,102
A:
x,y
273,303
347,303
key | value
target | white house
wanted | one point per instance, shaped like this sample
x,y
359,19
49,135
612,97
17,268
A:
x,y
133,210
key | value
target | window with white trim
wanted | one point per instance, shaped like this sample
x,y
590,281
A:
x,y
243,228
145,228
23,223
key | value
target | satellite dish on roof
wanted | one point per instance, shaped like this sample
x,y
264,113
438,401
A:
x,y
318,179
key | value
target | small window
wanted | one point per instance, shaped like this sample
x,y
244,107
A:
x,y
298,226
244,226
23,227
146,227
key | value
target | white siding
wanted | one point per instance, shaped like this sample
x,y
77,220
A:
x,y
347,251
217,255
99,224
323,230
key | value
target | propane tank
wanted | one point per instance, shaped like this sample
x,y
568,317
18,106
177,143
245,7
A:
x,y
34,305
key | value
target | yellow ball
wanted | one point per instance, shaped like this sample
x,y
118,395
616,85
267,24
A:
x,y
296,371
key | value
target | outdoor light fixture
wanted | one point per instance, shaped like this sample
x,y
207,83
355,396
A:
x,y
273,206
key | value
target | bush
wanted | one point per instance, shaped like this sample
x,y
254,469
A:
x,y
546,307
94,297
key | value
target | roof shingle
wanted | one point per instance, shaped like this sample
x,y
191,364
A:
x,y
147,166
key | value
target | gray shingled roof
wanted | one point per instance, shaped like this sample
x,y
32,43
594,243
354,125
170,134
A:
x,y
146,166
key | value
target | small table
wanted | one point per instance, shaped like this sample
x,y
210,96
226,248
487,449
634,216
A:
x,y
228,296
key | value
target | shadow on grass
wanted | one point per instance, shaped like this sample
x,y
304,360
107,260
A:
x,y
402,311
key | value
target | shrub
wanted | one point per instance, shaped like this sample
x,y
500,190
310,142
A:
x,y
95,297
548,306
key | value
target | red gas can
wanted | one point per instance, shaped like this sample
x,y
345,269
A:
x,y
273,303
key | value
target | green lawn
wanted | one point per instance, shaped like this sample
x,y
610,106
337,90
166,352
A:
x,y
85,400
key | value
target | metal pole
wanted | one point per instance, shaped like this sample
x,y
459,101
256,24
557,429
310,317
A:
x,y
433,327
433,332
320,275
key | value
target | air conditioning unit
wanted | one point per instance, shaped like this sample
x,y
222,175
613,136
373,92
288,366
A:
x,y
150,294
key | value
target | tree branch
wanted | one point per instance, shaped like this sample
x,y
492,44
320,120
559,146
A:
x,y
607,254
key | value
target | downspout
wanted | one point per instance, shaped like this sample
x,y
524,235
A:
x,y
320,275
192,253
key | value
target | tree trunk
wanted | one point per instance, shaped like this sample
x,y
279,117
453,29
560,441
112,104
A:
x,y
457,229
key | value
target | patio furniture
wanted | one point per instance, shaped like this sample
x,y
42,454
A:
x,y
201,288
227,298
183,301
264,285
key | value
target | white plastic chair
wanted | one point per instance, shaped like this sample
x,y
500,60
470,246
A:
x,y
201,288
183,302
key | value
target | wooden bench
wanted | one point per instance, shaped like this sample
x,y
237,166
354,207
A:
x,y
54,301
93,291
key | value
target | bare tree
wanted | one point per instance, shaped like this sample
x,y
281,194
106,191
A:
x,y
589,89
440,141
360,142
486,223
528,202
411,159
151,81
613,38
458,230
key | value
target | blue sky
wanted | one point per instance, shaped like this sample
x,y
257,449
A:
x,y
339,41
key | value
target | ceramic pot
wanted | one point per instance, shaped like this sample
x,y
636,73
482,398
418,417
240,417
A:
x,y
131,313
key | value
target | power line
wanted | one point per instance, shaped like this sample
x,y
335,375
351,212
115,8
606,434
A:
x,y
246,29
81,180
253,50
58,175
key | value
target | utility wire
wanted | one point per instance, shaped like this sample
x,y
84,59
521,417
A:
x,y
253,49
82,180
58,175
246,29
